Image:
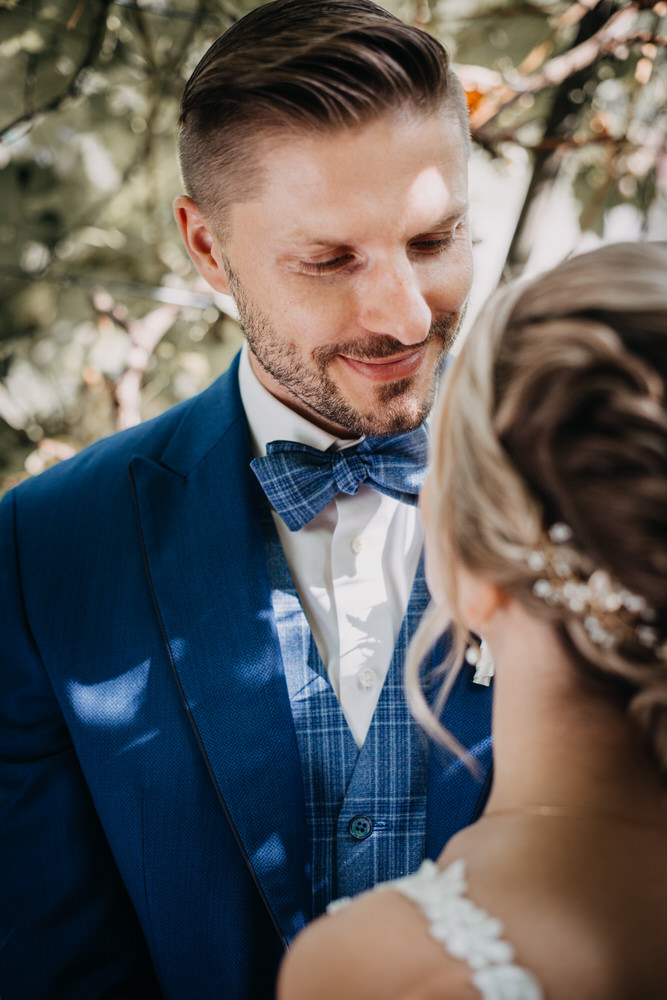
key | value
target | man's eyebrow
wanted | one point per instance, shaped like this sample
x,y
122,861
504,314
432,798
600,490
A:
x,y
303,237
449,219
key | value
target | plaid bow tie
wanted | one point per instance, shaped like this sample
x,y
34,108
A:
x,y
300,481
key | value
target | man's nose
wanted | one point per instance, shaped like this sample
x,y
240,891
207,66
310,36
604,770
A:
x,y
392,303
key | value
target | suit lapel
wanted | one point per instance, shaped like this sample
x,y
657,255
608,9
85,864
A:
x,y
199,517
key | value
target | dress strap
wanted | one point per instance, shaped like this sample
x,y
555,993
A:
x,y
467,932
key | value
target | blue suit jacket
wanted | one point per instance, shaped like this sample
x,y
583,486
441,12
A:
x,y
153,835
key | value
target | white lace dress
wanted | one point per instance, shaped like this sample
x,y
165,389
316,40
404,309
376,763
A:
x,y
467,932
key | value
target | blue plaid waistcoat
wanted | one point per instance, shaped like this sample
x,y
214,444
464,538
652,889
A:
x,y
366,809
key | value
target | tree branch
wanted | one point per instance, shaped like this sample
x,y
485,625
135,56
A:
x,y
145,334
72,88
492,94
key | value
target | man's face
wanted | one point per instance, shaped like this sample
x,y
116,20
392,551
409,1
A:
x,y
351,270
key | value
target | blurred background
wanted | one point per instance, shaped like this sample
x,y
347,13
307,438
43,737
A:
x,y
104,321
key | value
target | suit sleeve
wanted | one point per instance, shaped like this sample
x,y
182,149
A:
x,y
67,927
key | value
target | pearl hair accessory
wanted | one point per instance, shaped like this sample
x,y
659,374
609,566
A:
x,y
612,615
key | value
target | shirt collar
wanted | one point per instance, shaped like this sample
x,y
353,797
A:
x,y
271,420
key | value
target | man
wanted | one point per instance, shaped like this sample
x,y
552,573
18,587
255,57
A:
x,y
204,734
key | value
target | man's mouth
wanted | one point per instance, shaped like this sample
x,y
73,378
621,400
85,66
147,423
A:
x,y
387,369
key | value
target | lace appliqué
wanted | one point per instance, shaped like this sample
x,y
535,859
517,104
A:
x,y
467,932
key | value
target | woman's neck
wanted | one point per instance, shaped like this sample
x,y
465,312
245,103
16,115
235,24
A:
x,y
555,743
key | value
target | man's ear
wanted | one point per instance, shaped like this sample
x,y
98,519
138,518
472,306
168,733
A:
x,y
200,243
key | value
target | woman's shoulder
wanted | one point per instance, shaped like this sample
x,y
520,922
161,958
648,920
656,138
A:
x,y
563,930
378,948
416,938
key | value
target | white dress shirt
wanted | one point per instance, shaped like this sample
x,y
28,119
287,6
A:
x,y
353,565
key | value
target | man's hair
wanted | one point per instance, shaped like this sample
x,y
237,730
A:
x,y
302,66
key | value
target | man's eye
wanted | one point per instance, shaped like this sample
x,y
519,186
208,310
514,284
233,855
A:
x,y
326,266
435,246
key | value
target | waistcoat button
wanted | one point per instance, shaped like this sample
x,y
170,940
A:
x,y
360,827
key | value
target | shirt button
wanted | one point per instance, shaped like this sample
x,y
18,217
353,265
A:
x,y
360,827
357,544
367,679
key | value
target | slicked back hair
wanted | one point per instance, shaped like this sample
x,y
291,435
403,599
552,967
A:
x,y
302,66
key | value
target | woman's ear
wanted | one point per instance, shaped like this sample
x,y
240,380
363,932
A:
x,y
478,600
200,243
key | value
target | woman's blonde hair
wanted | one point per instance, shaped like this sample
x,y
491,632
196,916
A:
x,y
555,410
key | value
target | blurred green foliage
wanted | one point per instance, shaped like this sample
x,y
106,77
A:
x,y
104,321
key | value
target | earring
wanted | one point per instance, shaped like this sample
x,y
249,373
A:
x,y
479,657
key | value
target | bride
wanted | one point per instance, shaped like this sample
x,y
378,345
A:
x,y
545,513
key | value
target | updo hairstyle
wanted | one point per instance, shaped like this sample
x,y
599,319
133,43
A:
x,y
555,411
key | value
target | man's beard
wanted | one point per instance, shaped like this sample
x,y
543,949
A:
x,y
394,407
